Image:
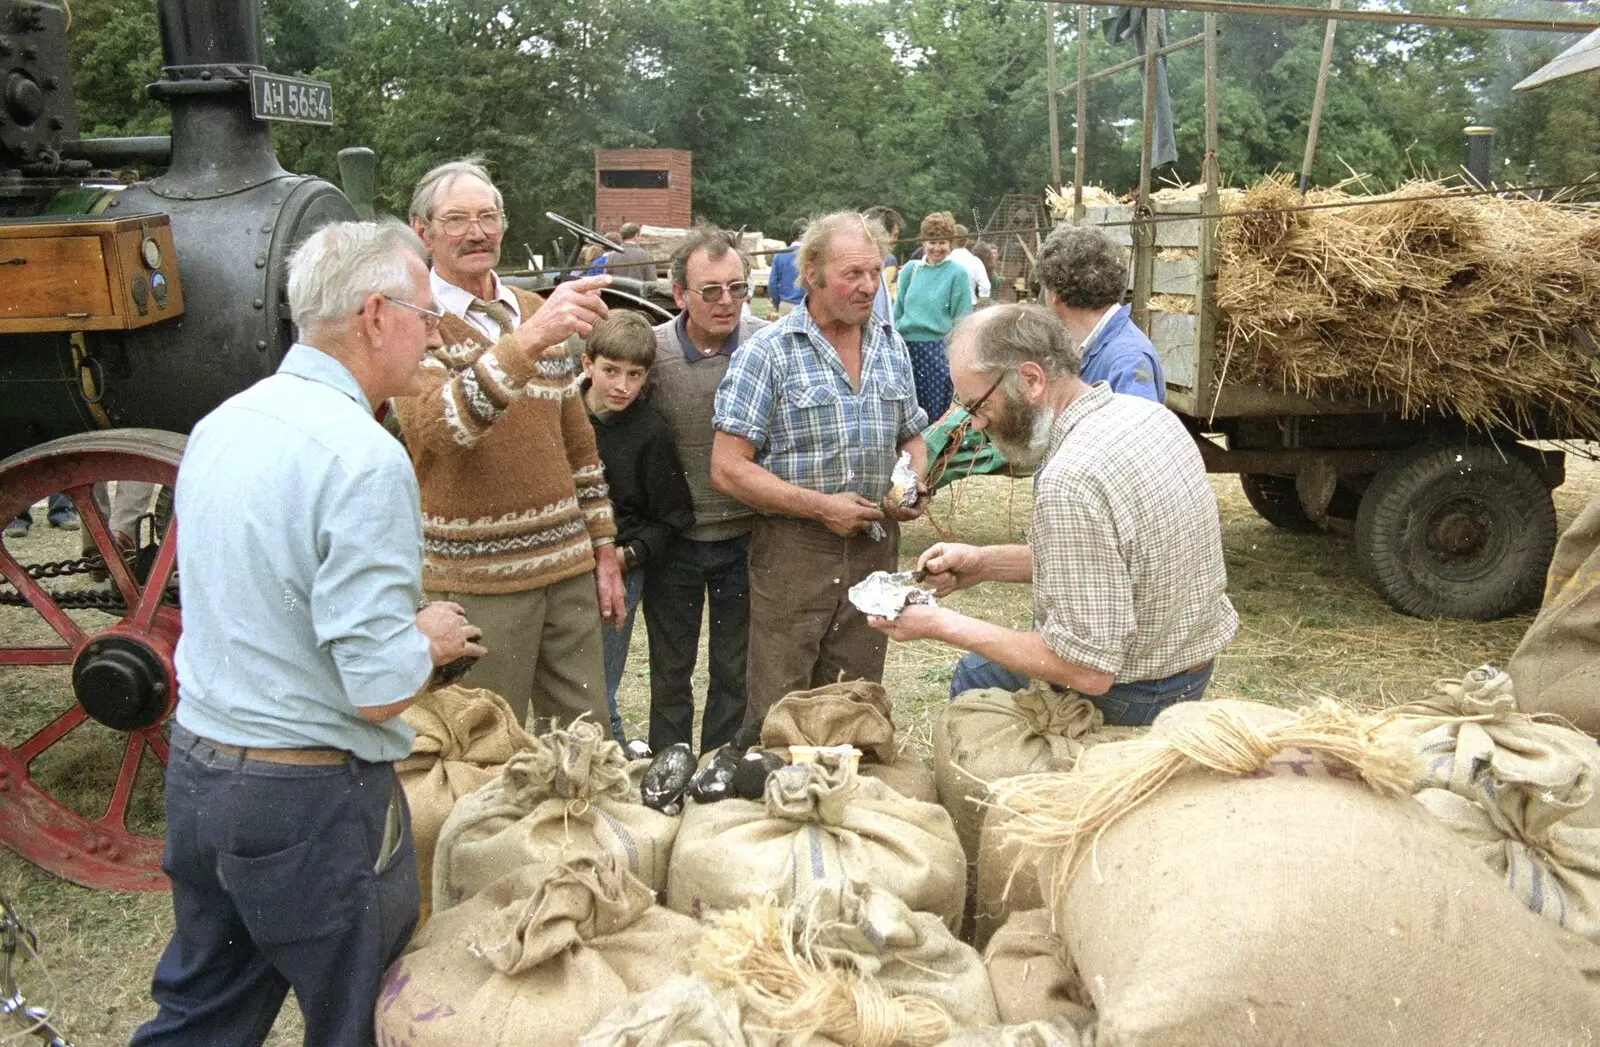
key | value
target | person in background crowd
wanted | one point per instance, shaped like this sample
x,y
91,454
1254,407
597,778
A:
x,y
59,512
893,223
1086,273
592,261
633,261
1125,550
976,270
709,564
810,419
516,524
934,293
989,258
648,495
783,284
288,840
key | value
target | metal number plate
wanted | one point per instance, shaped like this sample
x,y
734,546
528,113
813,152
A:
x,y
290,98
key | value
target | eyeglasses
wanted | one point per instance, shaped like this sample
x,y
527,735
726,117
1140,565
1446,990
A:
x,y
431,317
491,222
738,291
976,405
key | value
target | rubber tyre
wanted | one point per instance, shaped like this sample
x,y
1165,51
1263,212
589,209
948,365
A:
x,y
1274,499
1494,503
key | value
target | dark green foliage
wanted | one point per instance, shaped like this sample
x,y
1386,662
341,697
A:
x,y
798,106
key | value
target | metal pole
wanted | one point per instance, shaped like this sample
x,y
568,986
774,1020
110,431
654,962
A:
x,y
1081,132
1319,14
1206,304
1316,102
1050,94
1134,63
1144,230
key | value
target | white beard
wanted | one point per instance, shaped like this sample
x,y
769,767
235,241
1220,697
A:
x,y
1027,457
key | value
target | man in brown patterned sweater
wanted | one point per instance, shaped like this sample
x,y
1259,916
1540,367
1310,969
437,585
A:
x,y
516,525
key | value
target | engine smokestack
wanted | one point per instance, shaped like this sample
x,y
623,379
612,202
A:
x,y
1480,154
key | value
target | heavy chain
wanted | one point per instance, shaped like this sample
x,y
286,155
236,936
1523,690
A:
x,y
97,599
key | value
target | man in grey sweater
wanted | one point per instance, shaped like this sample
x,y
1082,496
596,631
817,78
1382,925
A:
x,y
710,283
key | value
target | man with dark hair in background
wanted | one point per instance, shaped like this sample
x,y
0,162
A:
x,y
633,261
1086,273
710,283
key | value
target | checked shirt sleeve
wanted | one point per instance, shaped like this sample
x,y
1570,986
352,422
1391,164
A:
x,y
1081,581
744,398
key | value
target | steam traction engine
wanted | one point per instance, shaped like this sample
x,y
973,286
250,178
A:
x,y
126,313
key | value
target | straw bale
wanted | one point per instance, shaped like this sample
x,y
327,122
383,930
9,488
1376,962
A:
x,y
1437,303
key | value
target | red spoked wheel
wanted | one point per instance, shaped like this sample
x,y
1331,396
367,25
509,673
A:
x,y
86,673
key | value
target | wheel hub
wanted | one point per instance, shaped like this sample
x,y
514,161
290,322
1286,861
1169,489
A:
x,y
121,682
1460,533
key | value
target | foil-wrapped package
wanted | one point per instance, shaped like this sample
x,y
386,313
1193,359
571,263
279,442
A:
x,y
903,489
885,595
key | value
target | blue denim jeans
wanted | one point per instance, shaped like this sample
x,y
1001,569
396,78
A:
x,y
614,646
280,877
1132,704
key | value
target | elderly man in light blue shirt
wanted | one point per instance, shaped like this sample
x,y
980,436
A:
x,y
288,840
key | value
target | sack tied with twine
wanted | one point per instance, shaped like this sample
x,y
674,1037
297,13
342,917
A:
x,y
990,734
534,959
1521,793
1247,875
569,796
849,963
853,712
817,822
464,735
1033,978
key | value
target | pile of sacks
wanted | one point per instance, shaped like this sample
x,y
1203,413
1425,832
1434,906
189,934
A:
x,y
1234,874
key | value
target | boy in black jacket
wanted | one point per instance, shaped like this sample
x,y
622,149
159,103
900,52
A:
x,y
649,496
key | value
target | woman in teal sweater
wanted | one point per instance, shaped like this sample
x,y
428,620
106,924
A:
x,y
932,295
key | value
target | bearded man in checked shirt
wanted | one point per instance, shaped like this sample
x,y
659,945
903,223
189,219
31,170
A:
x,y
1125,550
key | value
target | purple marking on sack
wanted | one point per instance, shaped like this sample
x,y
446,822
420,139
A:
x,y
434,1013
394,984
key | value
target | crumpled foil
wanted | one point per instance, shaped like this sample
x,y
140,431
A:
x,y
903,482
885,595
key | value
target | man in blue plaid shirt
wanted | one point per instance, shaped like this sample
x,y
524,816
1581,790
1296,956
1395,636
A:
x,y
810,419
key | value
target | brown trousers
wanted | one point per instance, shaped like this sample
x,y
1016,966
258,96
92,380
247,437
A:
x,y
544,650
804,632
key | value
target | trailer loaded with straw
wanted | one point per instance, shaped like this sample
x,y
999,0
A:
x,y
1388,362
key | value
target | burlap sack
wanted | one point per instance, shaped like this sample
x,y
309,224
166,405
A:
x,y
569,796
816,823
1520,793
856,713
1286,901
1055,1032
685,1012
1557,665
1003,884
464,736
990,734
1032,977
534,959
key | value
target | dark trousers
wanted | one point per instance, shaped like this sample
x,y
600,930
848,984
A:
x,y
675,591
1136,703
804,631
279,879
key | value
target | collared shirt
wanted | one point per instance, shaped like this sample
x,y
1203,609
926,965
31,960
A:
x,y
691,352
458,300
1128,575
788,394
1118,353
300,568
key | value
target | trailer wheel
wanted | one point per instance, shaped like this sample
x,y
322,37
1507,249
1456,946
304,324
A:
x,y
1457,530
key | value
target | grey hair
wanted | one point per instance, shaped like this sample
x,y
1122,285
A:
x,y
1083,267
715,242
436,181
1007,336
339,265
817,243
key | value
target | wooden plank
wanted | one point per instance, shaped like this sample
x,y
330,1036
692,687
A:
x,y
1173,335
53,279
1173,276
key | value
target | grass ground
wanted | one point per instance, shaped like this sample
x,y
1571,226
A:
x,y
1309,628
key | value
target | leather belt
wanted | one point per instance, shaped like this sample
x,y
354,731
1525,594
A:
x,y
295,757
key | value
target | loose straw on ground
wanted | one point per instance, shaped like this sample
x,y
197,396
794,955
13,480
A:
x,y
1059,814
763,952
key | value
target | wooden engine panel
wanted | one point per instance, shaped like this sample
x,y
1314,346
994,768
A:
x,y
87,274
